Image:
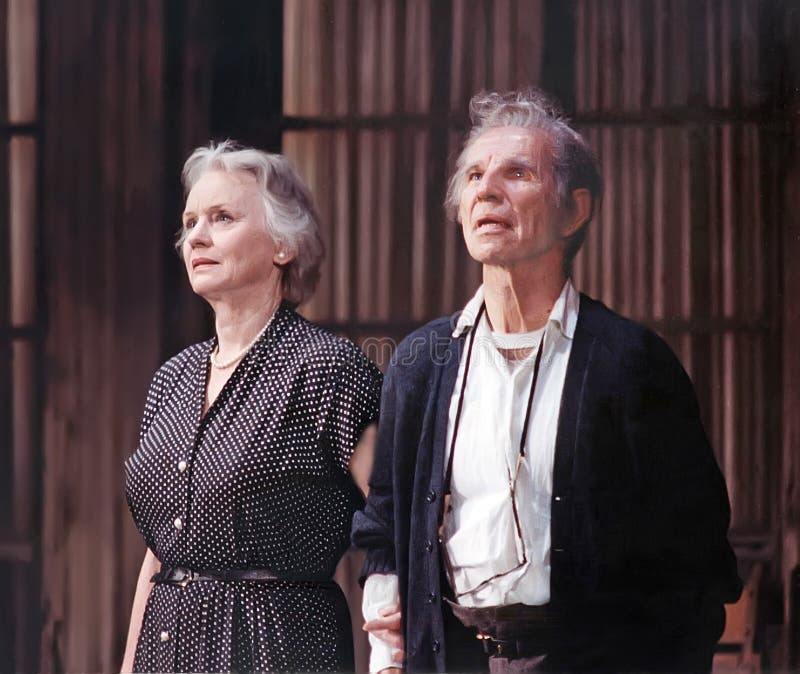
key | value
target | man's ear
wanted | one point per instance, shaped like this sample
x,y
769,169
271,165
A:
x,y
580,213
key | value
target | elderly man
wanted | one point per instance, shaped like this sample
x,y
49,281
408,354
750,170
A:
x,y
543,489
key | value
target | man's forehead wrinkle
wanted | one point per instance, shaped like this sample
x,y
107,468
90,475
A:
x,y
532,147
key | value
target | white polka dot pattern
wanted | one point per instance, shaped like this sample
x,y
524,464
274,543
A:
x,y
261,482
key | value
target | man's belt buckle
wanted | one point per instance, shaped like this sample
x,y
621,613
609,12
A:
x,y
485,640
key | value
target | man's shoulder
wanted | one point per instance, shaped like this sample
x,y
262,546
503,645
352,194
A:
x,y
606,324
426,345
623,339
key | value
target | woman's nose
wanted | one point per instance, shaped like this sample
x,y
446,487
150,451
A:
x,y
199,233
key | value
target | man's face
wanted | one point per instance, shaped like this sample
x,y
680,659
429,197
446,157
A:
x,y
507,207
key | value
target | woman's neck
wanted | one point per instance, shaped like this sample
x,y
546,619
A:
x,y
238,324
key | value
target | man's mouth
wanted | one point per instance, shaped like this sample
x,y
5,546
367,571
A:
x,y
491,223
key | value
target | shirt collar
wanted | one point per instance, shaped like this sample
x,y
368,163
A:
x,y
563,316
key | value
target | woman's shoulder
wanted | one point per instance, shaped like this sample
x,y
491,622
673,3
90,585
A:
x,y
315,341
175,366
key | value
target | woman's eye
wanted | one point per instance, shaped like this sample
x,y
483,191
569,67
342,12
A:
x,y
190,223
518,173
474,176
224,217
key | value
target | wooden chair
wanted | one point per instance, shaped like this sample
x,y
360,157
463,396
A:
x,y
735,649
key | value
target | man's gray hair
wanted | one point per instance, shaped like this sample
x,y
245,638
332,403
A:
x,y
574,165
291,218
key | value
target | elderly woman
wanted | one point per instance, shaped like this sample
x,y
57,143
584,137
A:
x,y
253,445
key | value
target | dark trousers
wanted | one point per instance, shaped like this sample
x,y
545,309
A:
x,y
464,652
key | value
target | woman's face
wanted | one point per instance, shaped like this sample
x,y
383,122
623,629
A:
x,y
227,250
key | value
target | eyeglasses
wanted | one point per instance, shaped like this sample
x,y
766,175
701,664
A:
x,y
499,562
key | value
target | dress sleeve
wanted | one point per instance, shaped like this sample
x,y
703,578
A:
x,y
373,527
354,403
152,403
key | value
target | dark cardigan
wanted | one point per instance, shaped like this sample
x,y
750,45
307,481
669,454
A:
x,y
640,562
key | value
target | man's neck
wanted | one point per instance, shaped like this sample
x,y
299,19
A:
x,y
520,299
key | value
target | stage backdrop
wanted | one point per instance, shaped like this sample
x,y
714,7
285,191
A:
x,y
692,106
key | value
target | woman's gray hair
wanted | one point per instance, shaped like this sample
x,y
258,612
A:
x,y
574,165
291,218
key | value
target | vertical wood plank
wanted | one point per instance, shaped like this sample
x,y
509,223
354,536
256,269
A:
x,y
22,45
103,317
528,53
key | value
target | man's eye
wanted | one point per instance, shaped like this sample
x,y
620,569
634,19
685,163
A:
x,y
518,173
190,223
224,217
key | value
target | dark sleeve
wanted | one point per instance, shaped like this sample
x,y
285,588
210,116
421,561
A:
x,y
685,562
152,402
373,528
353,403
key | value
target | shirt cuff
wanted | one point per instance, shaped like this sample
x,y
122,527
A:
x,y
380,591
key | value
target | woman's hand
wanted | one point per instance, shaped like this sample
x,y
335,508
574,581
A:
x,y
388,627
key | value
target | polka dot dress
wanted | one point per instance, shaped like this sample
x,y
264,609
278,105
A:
x,y
259,482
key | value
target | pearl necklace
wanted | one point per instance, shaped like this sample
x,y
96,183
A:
x,y
226,364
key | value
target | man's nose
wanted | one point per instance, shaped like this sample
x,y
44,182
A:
x,y
488,186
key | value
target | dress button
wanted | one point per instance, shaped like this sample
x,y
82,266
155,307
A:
x,y
181,465
431,496
178,523
435,646
429,545
164,635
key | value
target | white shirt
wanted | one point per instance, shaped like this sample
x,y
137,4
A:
x,y
487,446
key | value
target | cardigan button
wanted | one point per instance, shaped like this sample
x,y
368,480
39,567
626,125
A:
x,y
429,545
431,598
436,646
431,496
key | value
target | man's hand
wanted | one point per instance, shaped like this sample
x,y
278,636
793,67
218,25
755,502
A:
x,y
389,629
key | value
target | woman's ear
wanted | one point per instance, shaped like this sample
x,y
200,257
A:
x,y
580,212
282,258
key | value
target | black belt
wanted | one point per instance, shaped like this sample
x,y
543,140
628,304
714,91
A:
x,y
505,648
515,631
178,575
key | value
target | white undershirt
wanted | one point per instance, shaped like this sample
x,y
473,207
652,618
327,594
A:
x,y
487,446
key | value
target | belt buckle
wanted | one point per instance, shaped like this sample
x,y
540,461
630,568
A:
x,y
485,640
188,577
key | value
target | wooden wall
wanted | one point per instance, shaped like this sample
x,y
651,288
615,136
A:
x,y
105,238
789,484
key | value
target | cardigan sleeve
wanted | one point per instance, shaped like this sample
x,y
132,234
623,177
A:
x,y
373,527
684,558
